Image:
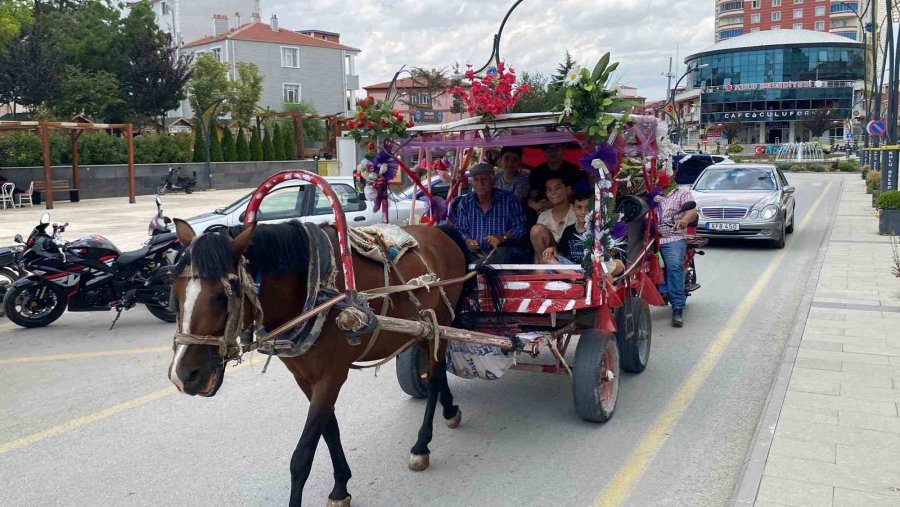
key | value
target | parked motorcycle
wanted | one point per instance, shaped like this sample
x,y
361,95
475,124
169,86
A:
x,y
174,182
694,245
9,269
90,274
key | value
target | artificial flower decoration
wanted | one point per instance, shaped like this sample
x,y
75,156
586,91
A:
x,y
492,94
589,98
572,77
375,122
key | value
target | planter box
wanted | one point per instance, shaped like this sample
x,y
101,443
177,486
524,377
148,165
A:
x,y
889,222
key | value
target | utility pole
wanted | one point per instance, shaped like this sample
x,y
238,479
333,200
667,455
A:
x,y
889,167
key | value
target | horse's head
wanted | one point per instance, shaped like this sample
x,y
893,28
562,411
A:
x,y
207,294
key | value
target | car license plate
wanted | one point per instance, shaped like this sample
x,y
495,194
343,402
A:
x,y
722,226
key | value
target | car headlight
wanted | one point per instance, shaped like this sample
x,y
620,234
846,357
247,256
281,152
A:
x,y
754,214
769,212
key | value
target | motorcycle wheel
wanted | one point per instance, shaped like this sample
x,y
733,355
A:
x,y
162,190
162,313
7,277
30,306
189,190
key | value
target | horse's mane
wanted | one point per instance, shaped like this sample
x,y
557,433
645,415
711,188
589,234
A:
x,y
275,249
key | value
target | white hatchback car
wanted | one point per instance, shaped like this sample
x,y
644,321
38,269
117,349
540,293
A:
x,y
297,199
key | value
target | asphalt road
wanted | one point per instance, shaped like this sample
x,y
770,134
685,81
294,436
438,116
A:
x,y
78,428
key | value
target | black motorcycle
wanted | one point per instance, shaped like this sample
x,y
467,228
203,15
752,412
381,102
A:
x,y
89,274
174,182
9,269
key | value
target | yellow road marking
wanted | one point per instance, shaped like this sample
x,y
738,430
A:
x,y
103,414
84,355
630,472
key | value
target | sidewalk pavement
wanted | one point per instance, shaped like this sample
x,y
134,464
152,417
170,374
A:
x,y
830,433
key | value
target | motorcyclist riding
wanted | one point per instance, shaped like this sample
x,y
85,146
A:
x,y
673,245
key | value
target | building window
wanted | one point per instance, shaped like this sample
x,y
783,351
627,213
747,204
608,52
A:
x,y
291,93
776,27
820,26
731,6
419,99
727,34
776,16
776,3
820,11
164,8
840,23
754,18
798,2
290,57
845,7
754,4
798,26
849,35
217,53
754,29
798,13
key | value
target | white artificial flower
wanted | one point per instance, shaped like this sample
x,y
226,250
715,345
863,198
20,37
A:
x,y
382,169
567,107
572,77
600,166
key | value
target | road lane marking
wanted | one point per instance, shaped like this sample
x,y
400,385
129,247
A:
x,y
618,489
84,355
106,413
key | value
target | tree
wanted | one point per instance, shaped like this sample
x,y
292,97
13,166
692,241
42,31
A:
x,y
209,82
268,147
199,142
256,150
290,148
432,82
313,129
30,69
277,143
215,145
245,92
732,129
154,75
565,66
820,121
86,33
241,146
14,16
540,98
229,149
94,94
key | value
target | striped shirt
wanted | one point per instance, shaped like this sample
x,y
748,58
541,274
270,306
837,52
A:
x,y
666,212
503,216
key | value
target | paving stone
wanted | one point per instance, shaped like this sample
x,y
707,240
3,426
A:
x,y
821,345
818,299
882,350
811,384
794,493
852,498
863,477
790,412
803,449
843,356
870,393
811,401
818,364
887,424
872,378
844,435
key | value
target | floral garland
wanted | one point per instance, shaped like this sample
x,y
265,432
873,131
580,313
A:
x,y
603,222
491,94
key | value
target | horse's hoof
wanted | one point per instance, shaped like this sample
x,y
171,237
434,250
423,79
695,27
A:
x,y
418,462
338,503
454,421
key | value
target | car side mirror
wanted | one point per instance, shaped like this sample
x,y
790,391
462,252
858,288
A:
x,y
789,189
19,239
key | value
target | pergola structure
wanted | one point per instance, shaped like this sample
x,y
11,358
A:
x,y
76,129
333,127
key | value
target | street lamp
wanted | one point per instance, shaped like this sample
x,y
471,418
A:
x,y
495,49
677,137
208,113
866,102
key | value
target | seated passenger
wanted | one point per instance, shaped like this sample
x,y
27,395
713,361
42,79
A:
x,y
552,222
490,219
554,167
510,177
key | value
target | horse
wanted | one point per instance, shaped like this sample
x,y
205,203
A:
x,y
279,264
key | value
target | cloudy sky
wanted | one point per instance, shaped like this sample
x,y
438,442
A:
x,y
640,34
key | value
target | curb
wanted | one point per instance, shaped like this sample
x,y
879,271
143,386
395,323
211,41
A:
x,y
746,489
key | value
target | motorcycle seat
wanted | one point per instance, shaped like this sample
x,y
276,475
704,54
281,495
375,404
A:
x,y
162,238
135,255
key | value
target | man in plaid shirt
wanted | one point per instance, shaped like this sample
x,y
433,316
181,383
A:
x,y
490,218
673,246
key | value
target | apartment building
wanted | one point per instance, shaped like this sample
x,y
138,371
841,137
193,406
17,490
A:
x,y
840,17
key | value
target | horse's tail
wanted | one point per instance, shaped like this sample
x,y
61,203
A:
x,y
470,288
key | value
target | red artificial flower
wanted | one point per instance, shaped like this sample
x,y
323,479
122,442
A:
x,y
371,146
384,124
370,125
410,124
361,103
361,116
370,100
351,124
399,117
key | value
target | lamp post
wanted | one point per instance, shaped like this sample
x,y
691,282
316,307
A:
x,y
866,102
677,136
495,49
209,113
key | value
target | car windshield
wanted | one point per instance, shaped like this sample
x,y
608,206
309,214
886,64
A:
x,y
233,206
737,178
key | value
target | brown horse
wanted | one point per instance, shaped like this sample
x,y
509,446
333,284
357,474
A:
x,y
279,263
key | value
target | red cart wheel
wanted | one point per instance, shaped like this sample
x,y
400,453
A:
x,y
595,381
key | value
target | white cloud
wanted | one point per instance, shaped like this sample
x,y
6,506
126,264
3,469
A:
x,y
640,34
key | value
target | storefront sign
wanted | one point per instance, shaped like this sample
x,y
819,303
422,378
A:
x,y
778,115
782,85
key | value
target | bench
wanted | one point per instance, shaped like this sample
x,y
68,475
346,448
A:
x,y
58,186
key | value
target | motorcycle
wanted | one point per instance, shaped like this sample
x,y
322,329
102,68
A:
x,y
9,269
90,274
174,181
694,245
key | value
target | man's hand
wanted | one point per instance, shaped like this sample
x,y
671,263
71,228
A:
x,y
681,224
473,245
494,240
549,254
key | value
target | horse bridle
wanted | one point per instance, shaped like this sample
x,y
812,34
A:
x,y
240,290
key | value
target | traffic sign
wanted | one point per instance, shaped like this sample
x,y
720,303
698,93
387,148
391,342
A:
x,y
876,128
848,136
760,149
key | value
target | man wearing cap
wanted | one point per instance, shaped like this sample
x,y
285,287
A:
x,y
489,218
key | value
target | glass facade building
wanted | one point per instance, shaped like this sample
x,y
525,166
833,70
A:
x,y
776,78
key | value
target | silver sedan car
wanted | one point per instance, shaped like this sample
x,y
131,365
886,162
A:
x,y
751,201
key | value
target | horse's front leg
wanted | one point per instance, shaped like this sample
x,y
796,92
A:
x,y
419,454
321,411
339,496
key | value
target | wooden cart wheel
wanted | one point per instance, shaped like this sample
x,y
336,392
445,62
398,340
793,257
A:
x,y
633,334
412,371
595,381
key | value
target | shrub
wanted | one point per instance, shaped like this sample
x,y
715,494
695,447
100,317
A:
x,y
256,151
23,149
101,148
290,148
848,166
229,150
176,149
888,200
199,143
734,149
215,145
277,143
241,146
268,147
147,149
873,180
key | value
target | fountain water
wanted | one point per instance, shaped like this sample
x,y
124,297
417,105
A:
x,y
800,152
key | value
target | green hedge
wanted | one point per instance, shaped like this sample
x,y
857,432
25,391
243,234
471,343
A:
x,y
23,149
888,200
850,166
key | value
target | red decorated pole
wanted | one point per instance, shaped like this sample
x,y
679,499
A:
x,y
340,221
